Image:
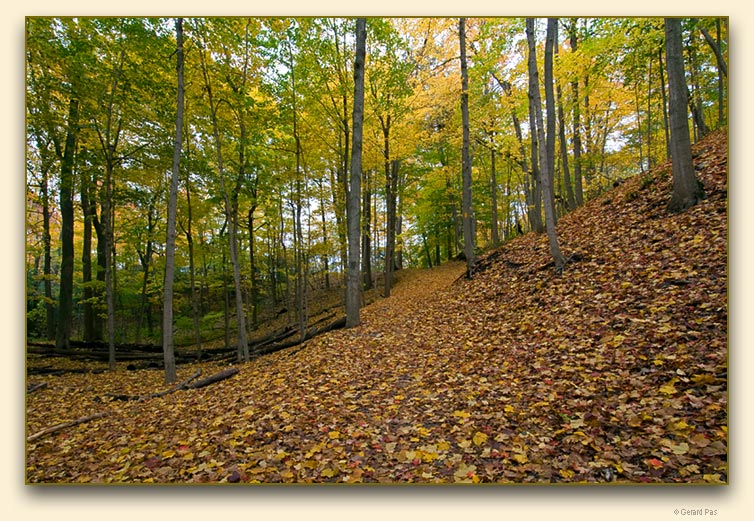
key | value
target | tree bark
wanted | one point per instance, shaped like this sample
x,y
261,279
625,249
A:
x,y
687,190
65,297
353,215
65,425
167,303
231,217
466,207
549,195
577,166
544,160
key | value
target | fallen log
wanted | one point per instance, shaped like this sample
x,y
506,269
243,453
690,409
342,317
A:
x,y
337,324
181,386
35,387
61,426
222,375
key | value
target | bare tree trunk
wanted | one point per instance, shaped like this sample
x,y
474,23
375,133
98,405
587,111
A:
x,y
549,196
569,196
366,230
544,160
666,124
353,215
65,297
232,221
493,202
577,166
167,306
687,190
466,207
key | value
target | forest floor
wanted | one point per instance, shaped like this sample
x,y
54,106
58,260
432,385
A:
x,y
614,371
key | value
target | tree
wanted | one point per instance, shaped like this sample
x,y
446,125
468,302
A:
x,y
353,215
545,159
167,309
467,210
687,190
231,214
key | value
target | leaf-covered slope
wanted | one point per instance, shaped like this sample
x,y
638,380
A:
x,y
613,371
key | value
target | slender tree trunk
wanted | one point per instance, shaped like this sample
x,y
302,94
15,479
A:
x,y
232,221
47,257
550,38
254,296
650,162
146,262
687,190
493,200
723,70
535,208
695,98
544,159
167,307
569,196
577,163
353,216
638,126
195,293
715,46
65,297
666,123
366,231
467,209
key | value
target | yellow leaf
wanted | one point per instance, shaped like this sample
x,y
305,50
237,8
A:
x,y
329,472
681,448
703,379
567,473
168,454
461,414
520,458
669,388
508,408
713,478
333,435
479,438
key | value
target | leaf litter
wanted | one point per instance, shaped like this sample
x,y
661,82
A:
x,y
613,372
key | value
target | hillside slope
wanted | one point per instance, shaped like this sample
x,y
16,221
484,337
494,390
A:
x,y
615,370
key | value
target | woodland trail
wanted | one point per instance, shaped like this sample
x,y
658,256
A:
x,y
614,371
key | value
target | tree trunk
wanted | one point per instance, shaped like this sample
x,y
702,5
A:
x,y
195,294
549,196
366,230
577,166
167,306
47,262
65,297
569,196
493,201
535,206
544,160
466,207
232,221
353,215
666,123
687,190
391,174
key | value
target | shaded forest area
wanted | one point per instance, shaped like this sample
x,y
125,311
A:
x,y
614,372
